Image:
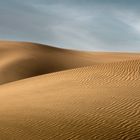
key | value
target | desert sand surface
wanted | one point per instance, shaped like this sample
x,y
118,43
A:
x,y
48,93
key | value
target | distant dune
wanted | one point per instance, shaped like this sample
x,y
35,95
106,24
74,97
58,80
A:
x,y
47,93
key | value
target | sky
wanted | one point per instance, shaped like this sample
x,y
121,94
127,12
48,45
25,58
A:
x,y
92,25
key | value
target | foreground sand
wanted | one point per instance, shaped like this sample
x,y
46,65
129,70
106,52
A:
x,y
98,102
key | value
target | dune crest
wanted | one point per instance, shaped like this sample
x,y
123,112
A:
x,y
59,94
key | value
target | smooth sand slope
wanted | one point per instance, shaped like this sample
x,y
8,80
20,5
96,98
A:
x,y
98,102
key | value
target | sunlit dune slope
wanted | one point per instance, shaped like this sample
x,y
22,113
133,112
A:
x,y
99,102
19,60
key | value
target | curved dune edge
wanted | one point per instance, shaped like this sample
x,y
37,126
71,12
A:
x,y
99,101
20,60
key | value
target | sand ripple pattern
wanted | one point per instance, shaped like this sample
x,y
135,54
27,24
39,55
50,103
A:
x,y
96,102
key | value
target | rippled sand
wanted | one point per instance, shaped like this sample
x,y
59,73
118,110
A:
x,y
48,93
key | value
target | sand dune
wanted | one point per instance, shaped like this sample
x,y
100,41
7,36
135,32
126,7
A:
x,y
19,60
79,96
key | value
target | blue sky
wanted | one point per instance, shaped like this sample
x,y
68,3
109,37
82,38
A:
x,y
97,25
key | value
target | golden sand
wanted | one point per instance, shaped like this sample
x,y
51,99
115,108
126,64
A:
x,y
48,93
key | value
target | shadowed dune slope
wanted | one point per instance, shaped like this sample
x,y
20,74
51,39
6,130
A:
x,y
99,102
19,60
